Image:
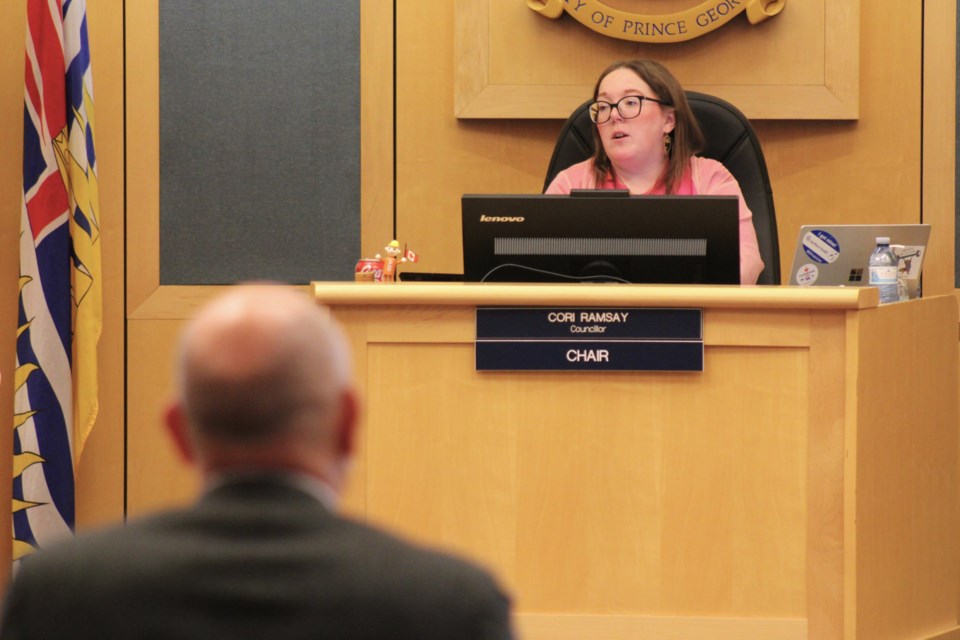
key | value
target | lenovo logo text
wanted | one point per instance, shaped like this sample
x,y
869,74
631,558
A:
x,y
501,218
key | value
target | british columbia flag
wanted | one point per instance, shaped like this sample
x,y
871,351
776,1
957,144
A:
x,y
55,402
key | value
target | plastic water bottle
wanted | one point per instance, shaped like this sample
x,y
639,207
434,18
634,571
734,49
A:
x,y
883,269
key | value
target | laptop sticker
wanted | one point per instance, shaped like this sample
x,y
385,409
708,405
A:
x,y
807,274
821,246
911,261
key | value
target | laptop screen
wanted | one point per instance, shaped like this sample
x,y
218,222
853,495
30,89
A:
x,y
837,255
601,236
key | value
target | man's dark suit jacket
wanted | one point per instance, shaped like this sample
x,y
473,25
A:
x,y
251,560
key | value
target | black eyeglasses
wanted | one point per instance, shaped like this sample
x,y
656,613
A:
x,y
627,106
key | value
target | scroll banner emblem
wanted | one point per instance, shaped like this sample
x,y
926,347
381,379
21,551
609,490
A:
x,y
668,27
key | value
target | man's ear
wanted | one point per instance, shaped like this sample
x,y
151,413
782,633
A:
x,y
346,434
179,431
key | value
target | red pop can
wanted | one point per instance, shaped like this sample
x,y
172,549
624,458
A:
x,y
369,270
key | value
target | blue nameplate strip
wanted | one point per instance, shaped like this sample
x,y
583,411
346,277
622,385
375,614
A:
x,y
579,323
589,339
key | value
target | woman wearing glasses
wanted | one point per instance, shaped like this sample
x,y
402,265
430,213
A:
x,y
647,138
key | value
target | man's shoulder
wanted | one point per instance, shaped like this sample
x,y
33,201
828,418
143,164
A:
x,y
351,541
453,591
105,541
157,560
387,549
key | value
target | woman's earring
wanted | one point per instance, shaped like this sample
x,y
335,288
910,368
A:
x,y
667,142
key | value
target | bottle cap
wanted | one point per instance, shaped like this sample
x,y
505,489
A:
x,y
883,240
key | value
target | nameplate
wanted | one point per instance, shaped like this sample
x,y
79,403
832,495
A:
x,y
589,339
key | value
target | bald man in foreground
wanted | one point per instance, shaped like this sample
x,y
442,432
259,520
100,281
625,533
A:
x,y
266,411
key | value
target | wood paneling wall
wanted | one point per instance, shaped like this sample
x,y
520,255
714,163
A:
x,y
100,478
12,20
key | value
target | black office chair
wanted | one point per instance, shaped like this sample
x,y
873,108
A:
x,y
729,138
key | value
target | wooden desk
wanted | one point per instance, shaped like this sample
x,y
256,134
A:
x,y
803,486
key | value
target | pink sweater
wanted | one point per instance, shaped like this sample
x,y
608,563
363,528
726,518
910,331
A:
x,y
706,177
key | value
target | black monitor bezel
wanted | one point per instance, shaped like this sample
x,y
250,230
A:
x,y
584,215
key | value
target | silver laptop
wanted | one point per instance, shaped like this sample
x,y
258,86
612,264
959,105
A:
x,y
837,254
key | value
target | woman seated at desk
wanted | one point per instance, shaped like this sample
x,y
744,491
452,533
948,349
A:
x,y
647,138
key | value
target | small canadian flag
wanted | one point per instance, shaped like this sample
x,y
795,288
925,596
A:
x,y
410,255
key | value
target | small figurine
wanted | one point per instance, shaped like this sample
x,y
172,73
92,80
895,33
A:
x,y
393,257
392,251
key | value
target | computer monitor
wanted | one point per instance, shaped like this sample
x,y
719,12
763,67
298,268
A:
x,y
601,236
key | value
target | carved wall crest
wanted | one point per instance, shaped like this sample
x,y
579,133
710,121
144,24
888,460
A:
x,y
671,27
